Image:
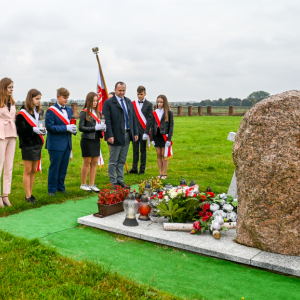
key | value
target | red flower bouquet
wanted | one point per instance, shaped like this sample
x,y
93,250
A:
x,y
111,196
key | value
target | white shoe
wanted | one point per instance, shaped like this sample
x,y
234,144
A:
x,y
85,187
94,188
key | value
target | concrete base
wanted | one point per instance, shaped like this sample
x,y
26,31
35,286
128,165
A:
x,y
224,248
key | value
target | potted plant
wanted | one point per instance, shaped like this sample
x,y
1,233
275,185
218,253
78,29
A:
x,y
110,201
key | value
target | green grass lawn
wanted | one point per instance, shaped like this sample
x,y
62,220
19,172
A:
x,y
201,152
30,270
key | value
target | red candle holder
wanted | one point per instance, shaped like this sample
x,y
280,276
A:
x,y
144,208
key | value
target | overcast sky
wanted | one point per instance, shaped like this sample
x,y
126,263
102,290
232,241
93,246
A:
x,y
188,50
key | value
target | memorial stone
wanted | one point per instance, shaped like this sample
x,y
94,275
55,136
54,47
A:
x,y
266,155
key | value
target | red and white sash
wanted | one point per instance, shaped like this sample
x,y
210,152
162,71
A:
x,y
64,119
59,114
32,121
100,158
168,150
140,116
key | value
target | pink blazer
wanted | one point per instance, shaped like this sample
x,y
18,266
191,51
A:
x,y
7,122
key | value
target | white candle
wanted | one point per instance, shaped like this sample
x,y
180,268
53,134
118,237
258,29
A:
x,y
131,213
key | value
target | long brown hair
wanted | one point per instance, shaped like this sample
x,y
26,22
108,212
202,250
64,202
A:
x,y
29,106
4,98
166,106
89,105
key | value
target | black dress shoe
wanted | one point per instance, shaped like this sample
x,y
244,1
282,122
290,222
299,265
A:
x,y
132,171
33,200
64,192
51,194
142,173
123,185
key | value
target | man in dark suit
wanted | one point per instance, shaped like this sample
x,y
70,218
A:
x,y
143,110
121,127
59,141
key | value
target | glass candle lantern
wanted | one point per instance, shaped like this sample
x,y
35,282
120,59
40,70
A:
x,y
41,124
148,190
168,187
131,207
144,208
73,120
183,182
192,183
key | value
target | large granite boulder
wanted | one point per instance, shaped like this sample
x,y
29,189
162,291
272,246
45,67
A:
x,y
266,155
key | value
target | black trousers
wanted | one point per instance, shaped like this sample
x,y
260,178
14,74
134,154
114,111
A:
x,y
139,146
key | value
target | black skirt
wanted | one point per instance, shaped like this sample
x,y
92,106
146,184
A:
x,y
159,139
31,153
90,148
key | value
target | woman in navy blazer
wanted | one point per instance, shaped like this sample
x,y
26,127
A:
x,y
59,141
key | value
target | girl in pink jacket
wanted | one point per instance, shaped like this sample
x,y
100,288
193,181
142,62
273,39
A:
x,y
8,135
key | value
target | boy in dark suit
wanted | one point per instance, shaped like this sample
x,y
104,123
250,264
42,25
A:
x,y
143,110
59,141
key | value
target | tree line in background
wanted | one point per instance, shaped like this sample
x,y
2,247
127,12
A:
x,y
252,99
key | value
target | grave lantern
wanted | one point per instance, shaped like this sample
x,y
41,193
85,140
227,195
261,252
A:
x,y
168,187
144,208
41,123
148,190
131,207
192,183
183,182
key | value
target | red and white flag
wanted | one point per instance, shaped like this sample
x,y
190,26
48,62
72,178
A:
x,y
101,90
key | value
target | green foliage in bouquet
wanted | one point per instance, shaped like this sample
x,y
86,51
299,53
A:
x,y
155,184
169,210
178,209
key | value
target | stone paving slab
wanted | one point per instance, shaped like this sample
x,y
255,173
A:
x,y
224,248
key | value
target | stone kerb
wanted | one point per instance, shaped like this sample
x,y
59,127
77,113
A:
x,y
266,156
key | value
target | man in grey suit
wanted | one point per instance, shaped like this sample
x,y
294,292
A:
x,y
121,127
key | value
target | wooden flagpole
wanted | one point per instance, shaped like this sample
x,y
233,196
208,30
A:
x,y
96,50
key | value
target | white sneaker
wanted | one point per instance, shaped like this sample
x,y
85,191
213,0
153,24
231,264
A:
x,y
94,188
85,187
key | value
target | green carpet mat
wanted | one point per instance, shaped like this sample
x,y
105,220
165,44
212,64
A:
x,y
174,271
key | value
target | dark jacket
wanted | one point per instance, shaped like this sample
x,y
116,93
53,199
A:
x,y
115,120
165,127
87,127
147,110
27,137
58,138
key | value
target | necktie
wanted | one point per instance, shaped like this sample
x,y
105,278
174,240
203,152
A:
x,y
125,112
